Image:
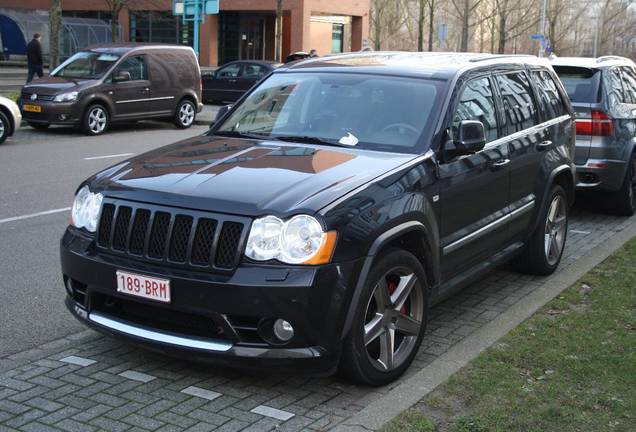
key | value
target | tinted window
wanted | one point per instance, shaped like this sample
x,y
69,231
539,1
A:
x,y
135,66
581,84
614,88
549,97
629,83
477,103
230,71
362,110
254,71
518,106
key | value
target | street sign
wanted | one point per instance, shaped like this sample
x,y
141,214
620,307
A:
x,y
537,37
195,11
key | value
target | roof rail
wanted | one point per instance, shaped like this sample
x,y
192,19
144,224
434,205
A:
x,y
611,57
498,56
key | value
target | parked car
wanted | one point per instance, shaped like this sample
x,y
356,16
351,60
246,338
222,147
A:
x,y
10,118
232,80
603,93
316,222
118,82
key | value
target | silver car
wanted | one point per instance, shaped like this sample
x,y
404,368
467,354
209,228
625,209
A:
x,y
10,118
603,94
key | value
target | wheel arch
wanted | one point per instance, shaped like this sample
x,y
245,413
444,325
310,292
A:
x,y
413,236
9,115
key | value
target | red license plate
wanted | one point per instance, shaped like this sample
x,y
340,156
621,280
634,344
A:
x,y
143,286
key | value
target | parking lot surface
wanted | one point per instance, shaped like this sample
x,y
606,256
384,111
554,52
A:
x,y
88,382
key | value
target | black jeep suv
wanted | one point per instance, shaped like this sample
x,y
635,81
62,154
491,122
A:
x,y
320,217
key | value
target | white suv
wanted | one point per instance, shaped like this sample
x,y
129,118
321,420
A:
x,y
10,118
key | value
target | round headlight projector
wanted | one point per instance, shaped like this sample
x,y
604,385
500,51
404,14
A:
x,y
283,330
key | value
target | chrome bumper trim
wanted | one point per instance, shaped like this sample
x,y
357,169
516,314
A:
x,y
157,336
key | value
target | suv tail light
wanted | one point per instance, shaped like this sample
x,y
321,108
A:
x,y
599,125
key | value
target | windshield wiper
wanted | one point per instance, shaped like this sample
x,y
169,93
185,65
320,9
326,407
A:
x,y
306,139
237,134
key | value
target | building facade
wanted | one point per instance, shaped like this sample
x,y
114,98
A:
x,y
243,29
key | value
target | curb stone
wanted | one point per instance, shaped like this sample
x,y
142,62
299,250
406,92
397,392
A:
x,y
413,389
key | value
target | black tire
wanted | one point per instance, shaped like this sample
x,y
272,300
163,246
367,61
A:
x,y
623,201
5,126
538,258
39,126
96,120
358,362
185,114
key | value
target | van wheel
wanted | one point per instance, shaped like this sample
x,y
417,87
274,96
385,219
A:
x,y
39,126
4,127
545,247
389,321
185,115
96,120
623,201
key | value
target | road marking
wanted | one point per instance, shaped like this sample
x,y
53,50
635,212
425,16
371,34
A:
x,y
32,215
108,156
200,392
137,376
580,232
272,412
79,361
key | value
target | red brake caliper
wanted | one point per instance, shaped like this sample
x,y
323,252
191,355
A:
x,y
392,286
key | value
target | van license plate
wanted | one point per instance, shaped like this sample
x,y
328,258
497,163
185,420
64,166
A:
x,y
143,286
32,108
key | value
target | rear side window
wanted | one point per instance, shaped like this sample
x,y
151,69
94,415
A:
x,y
519,110
629,83
581,84
549,97
254,71
614,88
477,103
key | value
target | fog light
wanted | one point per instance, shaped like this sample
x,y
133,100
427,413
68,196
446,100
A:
x,y
69,286
283,330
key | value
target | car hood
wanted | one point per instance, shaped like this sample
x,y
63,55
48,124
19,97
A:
x,y
54,85
246,177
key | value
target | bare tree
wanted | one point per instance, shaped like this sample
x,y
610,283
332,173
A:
x,y
464,9
115,6
515,18
55,28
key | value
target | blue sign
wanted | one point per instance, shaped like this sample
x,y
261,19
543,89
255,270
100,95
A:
x,y
537,37
195,11
442,32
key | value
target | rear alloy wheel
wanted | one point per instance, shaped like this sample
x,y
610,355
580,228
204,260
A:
x,y
545,247
4,127
623,201
95,120
389,323
185,115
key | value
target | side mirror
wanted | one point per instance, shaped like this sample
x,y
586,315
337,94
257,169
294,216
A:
x,y
471,137
220,114
122,76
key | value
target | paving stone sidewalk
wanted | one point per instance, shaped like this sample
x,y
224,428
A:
x,y
87,382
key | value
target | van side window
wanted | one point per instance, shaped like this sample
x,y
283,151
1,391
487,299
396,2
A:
x,y
135,66
477,103
518,106
549,97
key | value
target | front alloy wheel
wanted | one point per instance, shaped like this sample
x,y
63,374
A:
x,y
389,321
95,120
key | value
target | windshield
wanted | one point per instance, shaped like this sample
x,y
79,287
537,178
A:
x,y
362,110
581,84
86,64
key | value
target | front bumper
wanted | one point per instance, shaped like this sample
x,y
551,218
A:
x,y
313,299
62,113
600,174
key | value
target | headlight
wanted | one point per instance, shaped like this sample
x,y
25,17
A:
x,y
66,97
300,240
86,209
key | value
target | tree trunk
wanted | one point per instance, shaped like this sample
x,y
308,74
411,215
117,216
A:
x,y
431,23
377,43
464,40
55,27
420,27
502,33
279,31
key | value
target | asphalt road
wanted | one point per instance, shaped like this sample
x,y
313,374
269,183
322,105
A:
x,y
39,172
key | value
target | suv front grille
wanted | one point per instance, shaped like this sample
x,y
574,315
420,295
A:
x,y
179,237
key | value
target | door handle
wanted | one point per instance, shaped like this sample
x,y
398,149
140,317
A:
x,y
544,145
232,80
147,89
500,164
